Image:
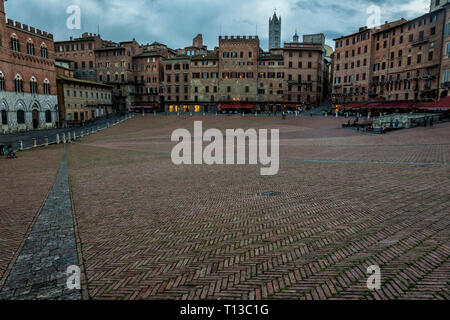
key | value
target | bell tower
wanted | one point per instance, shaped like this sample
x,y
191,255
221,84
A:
x,y
274,32
2,21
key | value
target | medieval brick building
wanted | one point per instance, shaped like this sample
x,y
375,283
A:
x,y
27,77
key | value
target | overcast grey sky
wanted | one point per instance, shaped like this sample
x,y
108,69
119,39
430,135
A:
x,y
176,22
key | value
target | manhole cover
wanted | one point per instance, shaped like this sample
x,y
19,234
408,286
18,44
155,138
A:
x,y
270,193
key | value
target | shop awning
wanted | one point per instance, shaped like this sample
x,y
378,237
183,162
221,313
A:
x,y
353,106
238,106
441,105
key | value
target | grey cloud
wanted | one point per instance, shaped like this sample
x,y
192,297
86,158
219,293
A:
x,y
176,22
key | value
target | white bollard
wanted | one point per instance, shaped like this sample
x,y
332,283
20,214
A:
x,y
34,142
69,137
64,137
57,139
74,135
20,145
46,141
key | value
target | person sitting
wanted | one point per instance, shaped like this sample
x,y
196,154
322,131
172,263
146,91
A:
x,y
11,154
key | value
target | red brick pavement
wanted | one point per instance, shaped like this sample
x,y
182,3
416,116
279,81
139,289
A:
x,y
150,229
25,183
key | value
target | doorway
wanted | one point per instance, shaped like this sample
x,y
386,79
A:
x,y
35,119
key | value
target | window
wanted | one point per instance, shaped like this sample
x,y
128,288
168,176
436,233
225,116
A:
x,y
33,85
18,84
20,117
30,47
46,86
15,45
44,51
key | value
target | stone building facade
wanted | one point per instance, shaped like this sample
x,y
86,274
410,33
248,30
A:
x,y
352,64
27,77
304,72
81,52
148,78
405,60
115,67
240,75
177,79
205,81
238,68
81,100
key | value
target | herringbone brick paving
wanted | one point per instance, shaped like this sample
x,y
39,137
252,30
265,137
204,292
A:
x,y
152,230
25,184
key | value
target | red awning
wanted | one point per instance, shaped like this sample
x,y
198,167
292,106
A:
x,y
354,106
397,105
441,105
238,106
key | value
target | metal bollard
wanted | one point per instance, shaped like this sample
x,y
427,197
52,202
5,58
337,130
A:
x,y
20,145
64,137
46,141
34,142
57,139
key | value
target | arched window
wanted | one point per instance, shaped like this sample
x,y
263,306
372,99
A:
x,y
2,81
18,83
20,117
15,45
48,116
4,117
46,85
30,47
44,51
33,85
